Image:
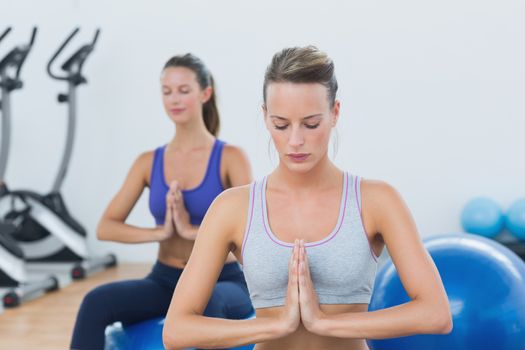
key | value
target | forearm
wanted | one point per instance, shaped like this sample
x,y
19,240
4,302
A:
x,y
413,317
112,230
213,333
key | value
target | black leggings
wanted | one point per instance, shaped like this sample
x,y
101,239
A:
x,y
138,300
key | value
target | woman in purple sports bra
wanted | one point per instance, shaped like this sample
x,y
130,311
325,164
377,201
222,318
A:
x,y
184,177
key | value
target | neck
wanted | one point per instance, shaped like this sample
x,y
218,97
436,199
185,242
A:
x,y
324,174
191,135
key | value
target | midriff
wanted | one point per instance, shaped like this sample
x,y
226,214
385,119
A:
x,y
302,339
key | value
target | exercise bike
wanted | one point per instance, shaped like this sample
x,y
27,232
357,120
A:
x,y
46,231
12,265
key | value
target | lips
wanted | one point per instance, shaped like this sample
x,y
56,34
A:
x,y
177,110
298,157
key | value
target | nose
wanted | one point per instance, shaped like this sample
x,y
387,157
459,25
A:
x,y
173,99
296,137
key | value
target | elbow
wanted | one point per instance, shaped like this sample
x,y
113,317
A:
x,y
445,325
170,342
101,231
444,322
441,322
172,337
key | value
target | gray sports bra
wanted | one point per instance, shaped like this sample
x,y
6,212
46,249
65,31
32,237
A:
x,y
342,264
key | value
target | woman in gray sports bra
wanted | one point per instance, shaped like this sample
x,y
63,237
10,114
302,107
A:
x,y
308,236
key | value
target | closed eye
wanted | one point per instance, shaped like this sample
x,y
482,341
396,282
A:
x,y
310,126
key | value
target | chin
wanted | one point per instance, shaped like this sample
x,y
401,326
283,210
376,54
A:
x,y
179,118
300,168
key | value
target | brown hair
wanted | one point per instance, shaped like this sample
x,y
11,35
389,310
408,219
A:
x,y
302,65
210,112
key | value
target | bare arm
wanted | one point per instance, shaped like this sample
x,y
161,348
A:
x,y
185,326
427,311
238,173
112,226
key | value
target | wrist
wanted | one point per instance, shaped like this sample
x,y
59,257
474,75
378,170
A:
x,y
160,233
319,325
186,231
282,328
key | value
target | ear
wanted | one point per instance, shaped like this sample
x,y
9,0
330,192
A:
x,y
206,94
335,112
265,116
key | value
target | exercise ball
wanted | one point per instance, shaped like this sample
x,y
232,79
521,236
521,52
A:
x,y
485,285
146,335
140,336
515,219
482,216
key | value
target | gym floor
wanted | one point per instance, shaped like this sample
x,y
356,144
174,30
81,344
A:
x,y
47,321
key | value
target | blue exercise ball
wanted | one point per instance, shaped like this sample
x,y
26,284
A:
x,y
482,216
515,219
146,335
485,285
138,336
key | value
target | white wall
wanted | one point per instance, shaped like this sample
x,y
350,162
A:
x,y
433,94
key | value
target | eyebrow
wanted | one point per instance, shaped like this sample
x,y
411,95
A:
x,y
178,87
305,118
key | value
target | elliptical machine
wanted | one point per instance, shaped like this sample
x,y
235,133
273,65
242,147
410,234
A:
x,y
12,264
46,232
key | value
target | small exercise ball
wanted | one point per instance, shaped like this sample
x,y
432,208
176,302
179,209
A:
x,y
146,335
515,219
482,216
485,285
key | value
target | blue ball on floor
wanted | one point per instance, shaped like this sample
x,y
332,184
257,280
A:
x,y
482,216
141,336
485,284
146,335
515,219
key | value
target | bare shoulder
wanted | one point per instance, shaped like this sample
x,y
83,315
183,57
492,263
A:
x,y
232,200
377,191
381,204
384,209
145,159
232,150
142,166
229,211
232,153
